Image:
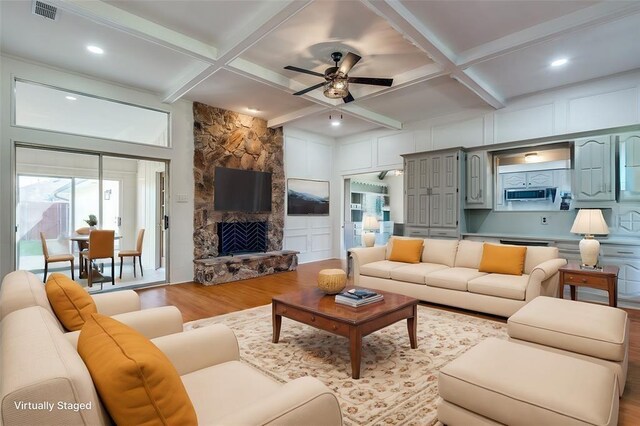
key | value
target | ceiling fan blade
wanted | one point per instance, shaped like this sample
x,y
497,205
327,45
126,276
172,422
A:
x,y
348,62
373,81
348,98
292,68
308,89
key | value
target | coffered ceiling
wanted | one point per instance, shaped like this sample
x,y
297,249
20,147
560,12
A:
x,y
444,56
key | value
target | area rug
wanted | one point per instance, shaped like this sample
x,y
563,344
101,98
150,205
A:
x,y
397,386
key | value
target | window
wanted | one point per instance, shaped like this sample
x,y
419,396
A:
x,y
43,107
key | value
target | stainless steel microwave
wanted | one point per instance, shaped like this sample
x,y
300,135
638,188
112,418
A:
x,y
531,194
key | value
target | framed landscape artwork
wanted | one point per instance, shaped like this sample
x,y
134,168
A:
x,y
307,197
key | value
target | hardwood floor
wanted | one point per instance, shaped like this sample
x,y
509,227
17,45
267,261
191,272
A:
x,y
196,301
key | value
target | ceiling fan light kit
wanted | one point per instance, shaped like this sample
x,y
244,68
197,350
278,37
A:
x,y
336,84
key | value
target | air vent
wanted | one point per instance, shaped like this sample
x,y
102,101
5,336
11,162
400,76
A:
x,y
45,10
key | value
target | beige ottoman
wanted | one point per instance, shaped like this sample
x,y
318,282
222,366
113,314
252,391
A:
x,y
503,382
591,332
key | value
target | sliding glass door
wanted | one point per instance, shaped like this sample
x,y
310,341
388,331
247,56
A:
x,y
58,191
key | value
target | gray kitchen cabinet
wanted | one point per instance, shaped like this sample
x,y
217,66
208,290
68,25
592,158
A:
x,y
432,195
533,179
594,176
629,147
479,180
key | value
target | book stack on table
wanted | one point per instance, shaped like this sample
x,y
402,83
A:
x,y
358,297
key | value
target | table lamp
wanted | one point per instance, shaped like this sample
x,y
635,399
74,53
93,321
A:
x,y
369,226
589,222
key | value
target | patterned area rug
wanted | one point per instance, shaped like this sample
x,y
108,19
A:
x,y
398,385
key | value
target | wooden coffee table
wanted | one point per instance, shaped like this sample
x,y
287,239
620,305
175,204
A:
x,y
314,308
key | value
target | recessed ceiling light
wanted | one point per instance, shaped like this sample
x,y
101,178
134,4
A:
x,y
532,157
252,109
559,62
71,98
95,49
335,123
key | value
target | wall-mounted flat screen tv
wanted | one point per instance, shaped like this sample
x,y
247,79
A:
x,y
241,190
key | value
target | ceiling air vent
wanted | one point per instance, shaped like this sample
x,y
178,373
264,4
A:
x,y
45,10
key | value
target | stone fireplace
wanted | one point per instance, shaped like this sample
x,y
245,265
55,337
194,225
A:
x,y
228,139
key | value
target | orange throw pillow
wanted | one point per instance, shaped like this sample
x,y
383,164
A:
x,y
71,303
507,260
136,382
408,251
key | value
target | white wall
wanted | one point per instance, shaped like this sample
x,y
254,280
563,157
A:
x,y
180,154
396,197
310,156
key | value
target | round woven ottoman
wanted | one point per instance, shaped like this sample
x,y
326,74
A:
x,y
332,281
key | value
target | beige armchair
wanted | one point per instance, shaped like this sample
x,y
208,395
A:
x,y
223,390
23,289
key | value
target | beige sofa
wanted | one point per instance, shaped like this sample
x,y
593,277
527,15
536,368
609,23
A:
x,y
41,366
448,275
23,289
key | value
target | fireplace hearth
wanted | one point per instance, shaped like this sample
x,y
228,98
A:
x,y
242,237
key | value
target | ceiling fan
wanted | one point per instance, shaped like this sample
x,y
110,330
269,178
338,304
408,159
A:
x,y
336,84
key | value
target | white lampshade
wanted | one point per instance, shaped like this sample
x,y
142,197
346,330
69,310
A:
x,y
370,223
590,222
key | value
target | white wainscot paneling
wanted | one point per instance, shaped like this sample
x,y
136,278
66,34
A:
x,y
526,123
391,147
466,133
321,241
356,155
296,242
316,222
619,108
319,160
295,223
295,157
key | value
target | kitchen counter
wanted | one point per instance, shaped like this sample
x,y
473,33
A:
x,y
612,239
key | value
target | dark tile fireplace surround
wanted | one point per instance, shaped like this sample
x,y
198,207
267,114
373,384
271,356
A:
x,y
242,237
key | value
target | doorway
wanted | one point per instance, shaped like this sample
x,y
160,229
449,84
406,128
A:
x,y
376,195
56,193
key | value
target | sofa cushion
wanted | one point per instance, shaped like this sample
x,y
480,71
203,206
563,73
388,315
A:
x,y
221,390
537,255
380,269
502,259
517,384
453,278
501,285
135,380
580,327
469,254
409,251
22,289
440,251
71,303
415,273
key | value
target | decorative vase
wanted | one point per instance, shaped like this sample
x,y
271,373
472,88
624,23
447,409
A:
x,y
332,281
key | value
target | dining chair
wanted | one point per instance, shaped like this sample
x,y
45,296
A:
x,y
133,253
100,247
82,245
52,258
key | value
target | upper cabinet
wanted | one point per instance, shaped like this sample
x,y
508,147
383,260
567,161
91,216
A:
x,y
629,147
479,180
594,177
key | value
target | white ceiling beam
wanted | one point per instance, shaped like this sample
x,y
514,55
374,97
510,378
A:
x,y
371,117
247,36
591,16
403,21
113,17
296,115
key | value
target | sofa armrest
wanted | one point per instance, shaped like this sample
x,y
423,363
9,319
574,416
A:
x,y
304,401
117,302
151,323
543,279
363,255
199,348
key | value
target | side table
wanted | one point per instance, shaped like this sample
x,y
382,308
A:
x,y
605,279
